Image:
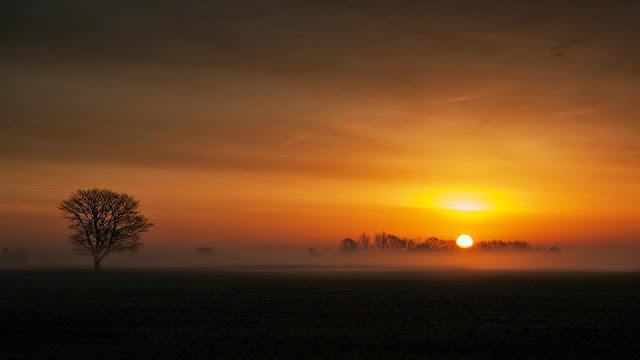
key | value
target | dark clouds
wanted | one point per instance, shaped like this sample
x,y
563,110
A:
x,y
222,85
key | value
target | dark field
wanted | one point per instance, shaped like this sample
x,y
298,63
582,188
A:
x,y
277,314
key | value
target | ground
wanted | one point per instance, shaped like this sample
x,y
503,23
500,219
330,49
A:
x,y
299,313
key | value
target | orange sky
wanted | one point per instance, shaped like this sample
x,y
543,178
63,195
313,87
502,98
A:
x,y
307,123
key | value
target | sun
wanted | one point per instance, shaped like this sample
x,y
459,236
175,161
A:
x,y
464,241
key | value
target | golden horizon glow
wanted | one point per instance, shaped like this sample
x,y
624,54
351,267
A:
x,y
465,199
464,241
466,206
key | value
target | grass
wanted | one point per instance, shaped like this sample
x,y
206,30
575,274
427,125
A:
x,y
304,314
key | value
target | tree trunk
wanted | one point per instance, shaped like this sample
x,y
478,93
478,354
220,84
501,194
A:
x,y
96,264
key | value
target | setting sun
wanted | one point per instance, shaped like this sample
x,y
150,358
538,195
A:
x,y
464,241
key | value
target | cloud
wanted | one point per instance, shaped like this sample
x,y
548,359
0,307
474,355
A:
x,y
277,86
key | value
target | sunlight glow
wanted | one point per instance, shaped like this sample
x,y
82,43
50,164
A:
x,y
460,199
464,241
466,200
465,206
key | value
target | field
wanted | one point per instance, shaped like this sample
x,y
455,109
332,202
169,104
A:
x,y
284,313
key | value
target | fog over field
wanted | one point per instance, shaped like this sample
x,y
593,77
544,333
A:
x,y
602,258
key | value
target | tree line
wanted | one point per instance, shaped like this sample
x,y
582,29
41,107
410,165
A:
x,y
383,242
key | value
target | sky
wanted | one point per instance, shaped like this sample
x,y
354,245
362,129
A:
x,y
303,122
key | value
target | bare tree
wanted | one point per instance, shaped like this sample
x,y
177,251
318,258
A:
x,y
381,241
103,222
348,245
363,242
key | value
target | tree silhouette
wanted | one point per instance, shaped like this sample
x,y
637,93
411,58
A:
x,y
433,243
363,242
504,245
390,243
381,241
103,222
348,245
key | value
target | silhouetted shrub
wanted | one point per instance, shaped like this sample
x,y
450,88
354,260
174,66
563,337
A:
x,y
348,245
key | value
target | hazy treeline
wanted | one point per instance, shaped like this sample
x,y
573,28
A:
x,y
512,245
389,243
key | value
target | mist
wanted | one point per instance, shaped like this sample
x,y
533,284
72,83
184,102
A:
x,y
297,258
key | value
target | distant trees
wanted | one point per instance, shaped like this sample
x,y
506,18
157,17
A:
x,y
312,252
500,245
380,241
504,245
103,222
363,242
390,243
433,243
348,245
